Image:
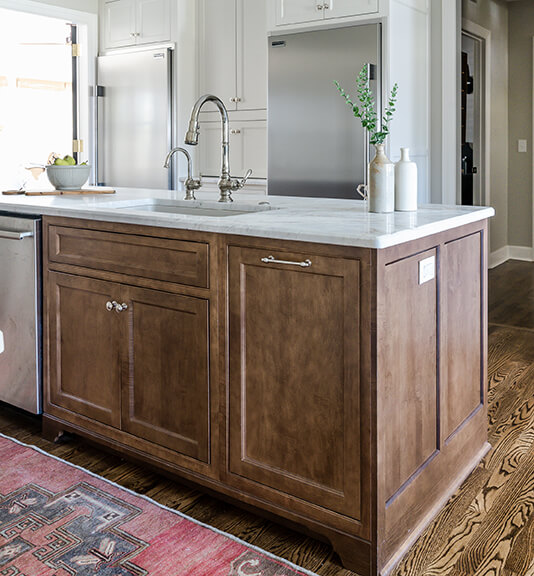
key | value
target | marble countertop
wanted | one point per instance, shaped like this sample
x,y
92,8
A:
x,y
322,220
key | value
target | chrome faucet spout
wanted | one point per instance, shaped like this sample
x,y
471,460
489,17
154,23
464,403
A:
x,y
190,184
226,183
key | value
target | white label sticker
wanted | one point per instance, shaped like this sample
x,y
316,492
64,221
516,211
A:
x,y
1,341
427,269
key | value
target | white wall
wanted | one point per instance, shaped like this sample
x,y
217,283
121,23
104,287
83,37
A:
x,y
82,5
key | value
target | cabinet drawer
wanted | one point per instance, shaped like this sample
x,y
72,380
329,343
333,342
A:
x,y
179,261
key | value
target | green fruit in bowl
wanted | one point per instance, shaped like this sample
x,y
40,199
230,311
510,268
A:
x,y
69,160
60,162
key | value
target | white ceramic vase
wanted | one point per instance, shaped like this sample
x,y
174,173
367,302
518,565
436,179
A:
x,y
381,182
405,183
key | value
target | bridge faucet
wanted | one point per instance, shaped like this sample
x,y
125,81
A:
x,y
226,183
190,184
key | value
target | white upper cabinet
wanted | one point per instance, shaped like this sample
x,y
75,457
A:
x,y
134,22
233,52
299,11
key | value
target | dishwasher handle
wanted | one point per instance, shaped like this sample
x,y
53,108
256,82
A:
x,y
11,235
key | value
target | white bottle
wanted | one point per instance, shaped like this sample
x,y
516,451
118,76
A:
x,y
381,182
405,183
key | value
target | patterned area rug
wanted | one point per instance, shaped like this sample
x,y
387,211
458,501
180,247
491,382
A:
x,y
59,520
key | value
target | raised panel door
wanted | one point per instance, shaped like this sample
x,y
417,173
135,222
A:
x,y
463,321
248,144
153,21
251,54
119,23
217,50
341,8
84,347
408,371
165,384
295,11
295,376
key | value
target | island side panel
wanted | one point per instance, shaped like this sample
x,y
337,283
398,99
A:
x,y
431,401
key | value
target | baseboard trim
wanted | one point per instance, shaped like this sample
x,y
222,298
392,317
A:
x,y
500,256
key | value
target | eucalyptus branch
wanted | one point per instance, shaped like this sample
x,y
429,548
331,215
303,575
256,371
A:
x,y
366,110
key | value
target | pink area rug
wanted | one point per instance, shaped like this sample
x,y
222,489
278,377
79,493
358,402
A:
x,y
59,520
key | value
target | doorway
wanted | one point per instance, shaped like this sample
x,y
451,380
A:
x,y
474,128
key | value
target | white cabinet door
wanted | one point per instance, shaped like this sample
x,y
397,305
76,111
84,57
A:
x,y
248,147
153,21
341,8
209,149
217,49
295,11
251,54
119,23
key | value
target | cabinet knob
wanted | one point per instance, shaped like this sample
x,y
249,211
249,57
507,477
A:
x,y
235,131
235,99
114,305
326,6
320,6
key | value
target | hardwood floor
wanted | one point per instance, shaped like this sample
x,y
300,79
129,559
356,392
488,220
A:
x,y
486,529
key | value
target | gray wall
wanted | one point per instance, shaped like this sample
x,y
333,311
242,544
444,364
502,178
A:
x,y
493,15
521,16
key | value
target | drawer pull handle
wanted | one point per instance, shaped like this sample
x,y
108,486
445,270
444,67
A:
x,y
10,235
272,260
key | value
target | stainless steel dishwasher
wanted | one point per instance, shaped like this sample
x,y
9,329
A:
x,y
20,311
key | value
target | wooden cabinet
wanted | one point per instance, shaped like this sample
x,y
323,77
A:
x,y
294,385
233,52
331,386
165,380
84,348
133,22
134,358
298,11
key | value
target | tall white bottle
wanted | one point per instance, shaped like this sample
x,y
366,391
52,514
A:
x,y
405,183
381,182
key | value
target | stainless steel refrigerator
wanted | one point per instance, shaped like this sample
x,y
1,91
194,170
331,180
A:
x,y
316,147
134,118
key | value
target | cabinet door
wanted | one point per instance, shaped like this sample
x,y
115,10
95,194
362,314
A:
x,y
217,49
209,150
84,347
251,54
153,21
294,377
248,145
119,23
165,384
295,11
341,8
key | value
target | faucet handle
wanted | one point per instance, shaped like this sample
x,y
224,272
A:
x,y
247,175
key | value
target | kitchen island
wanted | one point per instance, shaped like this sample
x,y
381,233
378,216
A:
x,y
321,364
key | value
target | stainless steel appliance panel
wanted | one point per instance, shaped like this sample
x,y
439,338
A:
x,y
20,313
135,118
316,147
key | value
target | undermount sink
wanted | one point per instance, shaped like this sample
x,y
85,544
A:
x,y
212,209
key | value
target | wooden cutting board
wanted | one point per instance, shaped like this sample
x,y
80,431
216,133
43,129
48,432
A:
x,y
91,190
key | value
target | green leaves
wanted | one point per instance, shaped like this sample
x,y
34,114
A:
x,y
366,111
